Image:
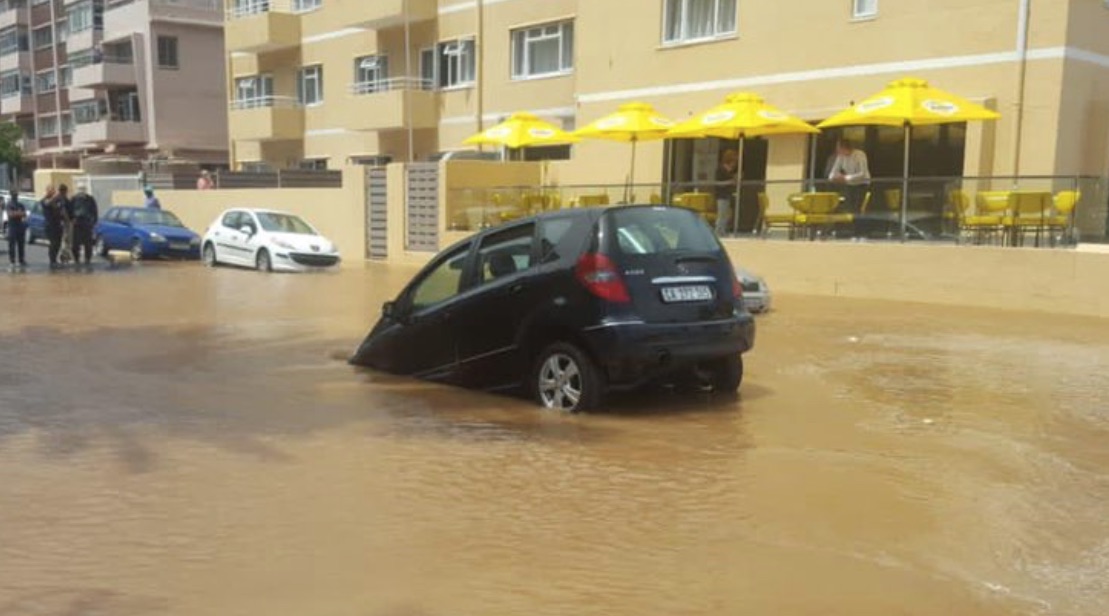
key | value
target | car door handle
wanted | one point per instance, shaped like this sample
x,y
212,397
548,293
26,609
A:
x,y
516,288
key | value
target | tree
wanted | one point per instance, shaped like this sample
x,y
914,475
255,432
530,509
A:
x,y
11,153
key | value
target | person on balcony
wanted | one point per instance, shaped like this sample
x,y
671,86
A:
x,y
851,172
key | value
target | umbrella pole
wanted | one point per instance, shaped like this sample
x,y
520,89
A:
x,y
905,182
812,163
738,185
631,178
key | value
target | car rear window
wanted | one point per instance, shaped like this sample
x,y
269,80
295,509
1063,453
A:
x,y
651,231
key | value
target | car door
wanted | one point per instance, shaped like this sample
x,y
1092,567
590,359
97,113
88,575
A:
x,y
488,319
107,229
229,241
423,342
252,241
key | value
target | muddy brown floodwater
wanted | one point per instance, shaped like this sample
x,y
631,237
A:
x,y
178,441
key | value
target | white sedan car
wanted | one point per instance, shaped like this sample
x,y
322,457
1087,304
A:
x,y
756,295
268,241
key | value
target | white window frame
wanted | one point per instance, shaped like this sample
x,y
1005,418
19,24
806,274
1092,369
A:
x,y
312,73
65,76
51,84
67,125
176,44
860,11
364,81
306,6
47,45
43,134
530,35
429,59
461,51
260,88
684,38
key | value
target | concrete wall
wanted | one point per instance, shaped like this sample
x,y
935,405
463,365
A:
x,y
1059,281
339,214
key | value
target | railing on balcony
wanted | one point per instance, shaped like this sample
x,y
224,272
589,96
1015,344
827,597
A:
x,y
203,5
247,8
265,102
395,83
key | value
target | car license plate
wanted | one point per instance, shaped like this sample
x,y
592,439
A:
x,y
696,293
179,245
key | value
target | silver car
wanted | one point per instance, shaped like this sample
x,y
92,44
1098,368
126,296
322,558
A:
x,y
756,295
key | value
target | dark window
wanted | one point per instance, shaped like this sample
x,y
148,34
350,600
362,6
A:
x,y
506,252
231,220
443,282
649,231
552,237
167,52
112,215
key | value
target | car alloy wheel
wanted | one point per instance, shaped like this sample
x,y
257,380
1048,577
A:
x,y
262,261
565,380
136,250
210,255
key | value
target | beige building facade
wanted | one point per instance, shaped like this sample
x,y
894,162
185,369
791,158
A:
x,y
324,83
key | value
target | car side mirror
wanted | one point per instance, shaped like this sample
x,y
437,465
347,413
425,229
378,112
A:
x,y
389,310
246,230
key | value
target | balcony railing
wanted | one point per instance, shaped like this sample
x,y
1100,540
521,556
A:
x,y
395,83
247,8
202,5
265,102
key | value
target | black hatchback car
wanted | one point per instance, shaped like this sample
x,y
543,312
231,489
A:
x,y
569,305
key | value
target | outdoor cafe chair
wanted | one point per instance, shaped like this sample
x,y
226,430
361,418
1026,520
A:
x,y
700,202
1028,211
1061,223
786,221
988,219
817,212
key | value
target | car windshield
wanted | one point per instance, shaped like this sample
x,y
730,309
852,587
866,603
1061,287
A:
x,y
160,218
652,231
284,223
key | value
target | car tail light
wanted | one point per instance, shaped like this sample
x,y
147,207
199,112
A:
x,y
737,287
601,278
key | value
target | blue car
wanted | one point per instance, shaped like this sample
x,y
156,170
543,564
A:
x,y
36,222
145,233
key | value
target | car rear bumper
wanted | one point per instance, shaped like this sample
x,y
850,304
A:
x,y
631,352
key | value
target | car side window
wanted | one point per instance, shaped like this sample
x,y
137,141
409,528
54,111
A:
x,y
112,215
552,235
124,216
505,253
443,282
231,220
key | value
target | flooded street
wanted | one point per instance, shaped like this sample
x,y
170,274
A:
x,y
180,441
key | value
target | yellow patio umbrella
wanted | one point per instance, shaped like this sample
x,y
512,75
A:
x,y
741,115
910,102
633,122
522,130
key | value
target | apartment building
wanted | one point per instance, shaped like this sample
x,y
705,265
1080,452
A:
x,y
137,78
328,82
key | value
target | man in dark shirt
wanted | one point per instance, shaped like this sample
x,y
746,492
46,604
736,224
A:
x,y
85,215
55,209
17,230
725,190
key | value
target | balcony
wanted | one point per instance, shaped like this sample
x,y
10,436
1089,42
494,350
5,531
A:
x,y
111,72
258,26
125,17
17,105
14,16
108,131
390,104
384,13
266,118
16,61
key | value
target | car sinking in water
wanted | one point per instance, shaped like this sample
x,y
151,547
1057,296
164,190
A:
x,y
570,305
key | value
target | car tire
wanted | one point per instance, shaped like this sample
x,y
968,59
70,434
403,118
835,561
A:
x,y
101,248
136,250
208,255
565,379
263,262
726,374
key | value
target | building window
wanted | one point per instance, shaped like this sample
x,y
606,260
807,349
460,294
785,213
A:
x,y
87,112
698,20
543,50
303,6
313,164
14,83
371,74
65,76
43,37
167,52
864,8
85,15
63,30
254,91
48,126
124,106
310,85
67,123
14,40
428,71
456,63
46,81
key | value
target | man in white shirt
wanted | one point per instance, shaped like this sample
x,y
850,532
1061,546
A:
x,y
850,170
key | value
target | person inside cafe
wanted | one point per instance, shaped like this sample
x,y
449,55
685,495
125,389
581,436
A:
x,y
725,189
850,172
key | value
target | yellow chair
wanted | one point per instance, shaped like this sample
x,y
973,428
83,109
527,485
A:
x,y
1061,222
702,203
598,200
988,219
1028,211
783,221
818,212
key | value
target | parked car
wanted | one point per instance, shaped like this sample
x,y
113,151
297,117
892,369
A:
x,y
570,305
36,222
267,240
756,294
146,233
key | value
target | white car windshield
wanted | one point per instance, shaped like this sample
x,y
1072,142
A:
x,y
284,223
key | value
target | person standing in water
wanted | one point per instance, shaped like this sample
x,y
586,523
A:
x,y
17,231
